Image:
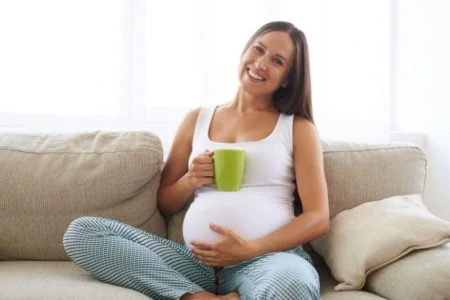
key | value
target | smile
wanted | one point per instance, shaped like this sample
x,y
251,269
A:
x,y
255,76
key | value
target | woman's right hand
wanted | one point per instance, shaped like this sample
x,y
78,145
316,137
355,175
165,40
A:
x,y
201,171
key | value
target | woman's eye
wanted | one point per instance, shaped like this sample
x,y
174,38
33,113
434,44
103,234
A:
x,y
259,49
278,61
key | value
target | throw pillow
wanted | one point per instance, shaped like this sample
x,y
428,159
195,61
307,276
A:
x,y
374,234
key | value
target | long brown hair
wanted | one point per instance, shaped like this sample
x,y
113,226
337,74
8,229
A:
x,y
295,98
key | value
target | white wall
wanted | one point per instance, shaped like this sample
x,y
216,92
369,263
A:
x,y
421,88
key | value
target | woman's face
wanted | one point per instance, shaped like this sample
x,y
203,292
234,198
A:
x,y
266,64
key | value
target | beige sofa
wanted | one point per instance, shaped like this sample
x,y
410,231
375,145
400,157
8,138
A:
x,y
47,180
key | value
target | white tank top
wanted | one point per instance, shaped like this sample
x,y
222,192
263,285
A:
x,y
265,201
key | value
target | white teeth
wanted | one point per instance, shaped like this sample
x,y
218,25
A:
x,y
254,76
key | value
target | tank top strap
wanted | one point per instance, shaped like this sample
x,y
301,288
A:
x,y
203,121
284,130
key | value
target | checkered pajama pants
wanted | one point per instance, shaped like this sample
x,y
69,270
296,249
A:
x,y
126,256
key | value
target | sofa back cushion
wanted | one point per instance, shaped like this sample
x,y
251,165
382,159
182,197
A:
x,y
48,180
359,172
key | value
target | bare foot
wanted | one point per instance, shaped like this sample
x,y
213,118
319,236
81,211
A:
x,y
200,296
209,296
230,296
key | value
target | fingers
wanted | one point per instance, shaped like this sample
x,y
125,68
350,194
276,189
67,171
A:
x,y
202,245
201,175
203,160
203,163
207,153
208,257
201,170
212,263
219,229
204,254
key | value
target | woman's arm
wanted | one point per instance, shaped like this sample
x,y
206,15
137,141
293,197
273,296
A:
x,y
178,179
312,188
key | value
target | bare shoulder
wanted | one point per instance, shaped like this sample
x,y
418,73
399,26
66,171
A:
x,y
185,131
191,118
304,129
187,126
193,114
177,160
306,139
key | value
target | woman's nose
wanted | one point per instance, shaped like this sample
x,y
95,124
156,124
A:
x,y
260,63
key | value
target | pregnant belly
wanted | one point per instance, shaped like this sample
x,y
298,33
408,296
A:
x,y
251,217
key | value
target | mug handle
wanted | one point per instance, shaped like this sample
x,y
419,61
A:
x,y
214,177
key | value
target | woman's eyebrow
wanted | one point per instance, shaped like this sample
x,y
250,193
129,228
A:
x,y
261,44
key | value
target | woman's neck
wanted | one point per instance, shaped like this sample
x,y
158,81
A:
x,y
245,103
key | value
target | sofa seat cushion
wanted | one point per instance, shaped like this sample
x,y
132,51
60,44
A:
x,y
327,291
423,274
55,280
48,180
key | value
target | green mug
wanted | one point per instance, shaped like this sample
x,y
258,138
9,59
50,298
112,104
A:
x,y
229,169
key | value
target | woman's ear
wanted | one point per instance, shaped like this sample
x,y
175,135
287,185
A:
x,y
285,84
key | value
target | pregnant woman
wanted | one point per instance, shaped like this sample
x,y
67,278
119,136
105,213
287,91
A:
x,y
245,244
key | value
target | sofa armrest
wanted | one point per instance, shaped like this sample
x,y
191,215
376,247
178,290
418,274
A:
x,y
49,179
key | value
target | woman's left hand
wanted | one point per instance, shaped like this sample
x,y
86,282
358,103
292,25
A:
x,y
228,250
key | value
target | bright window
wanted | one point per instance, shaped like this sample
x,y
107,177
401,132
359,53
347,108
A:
x,y
194,47
142,64
61,57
